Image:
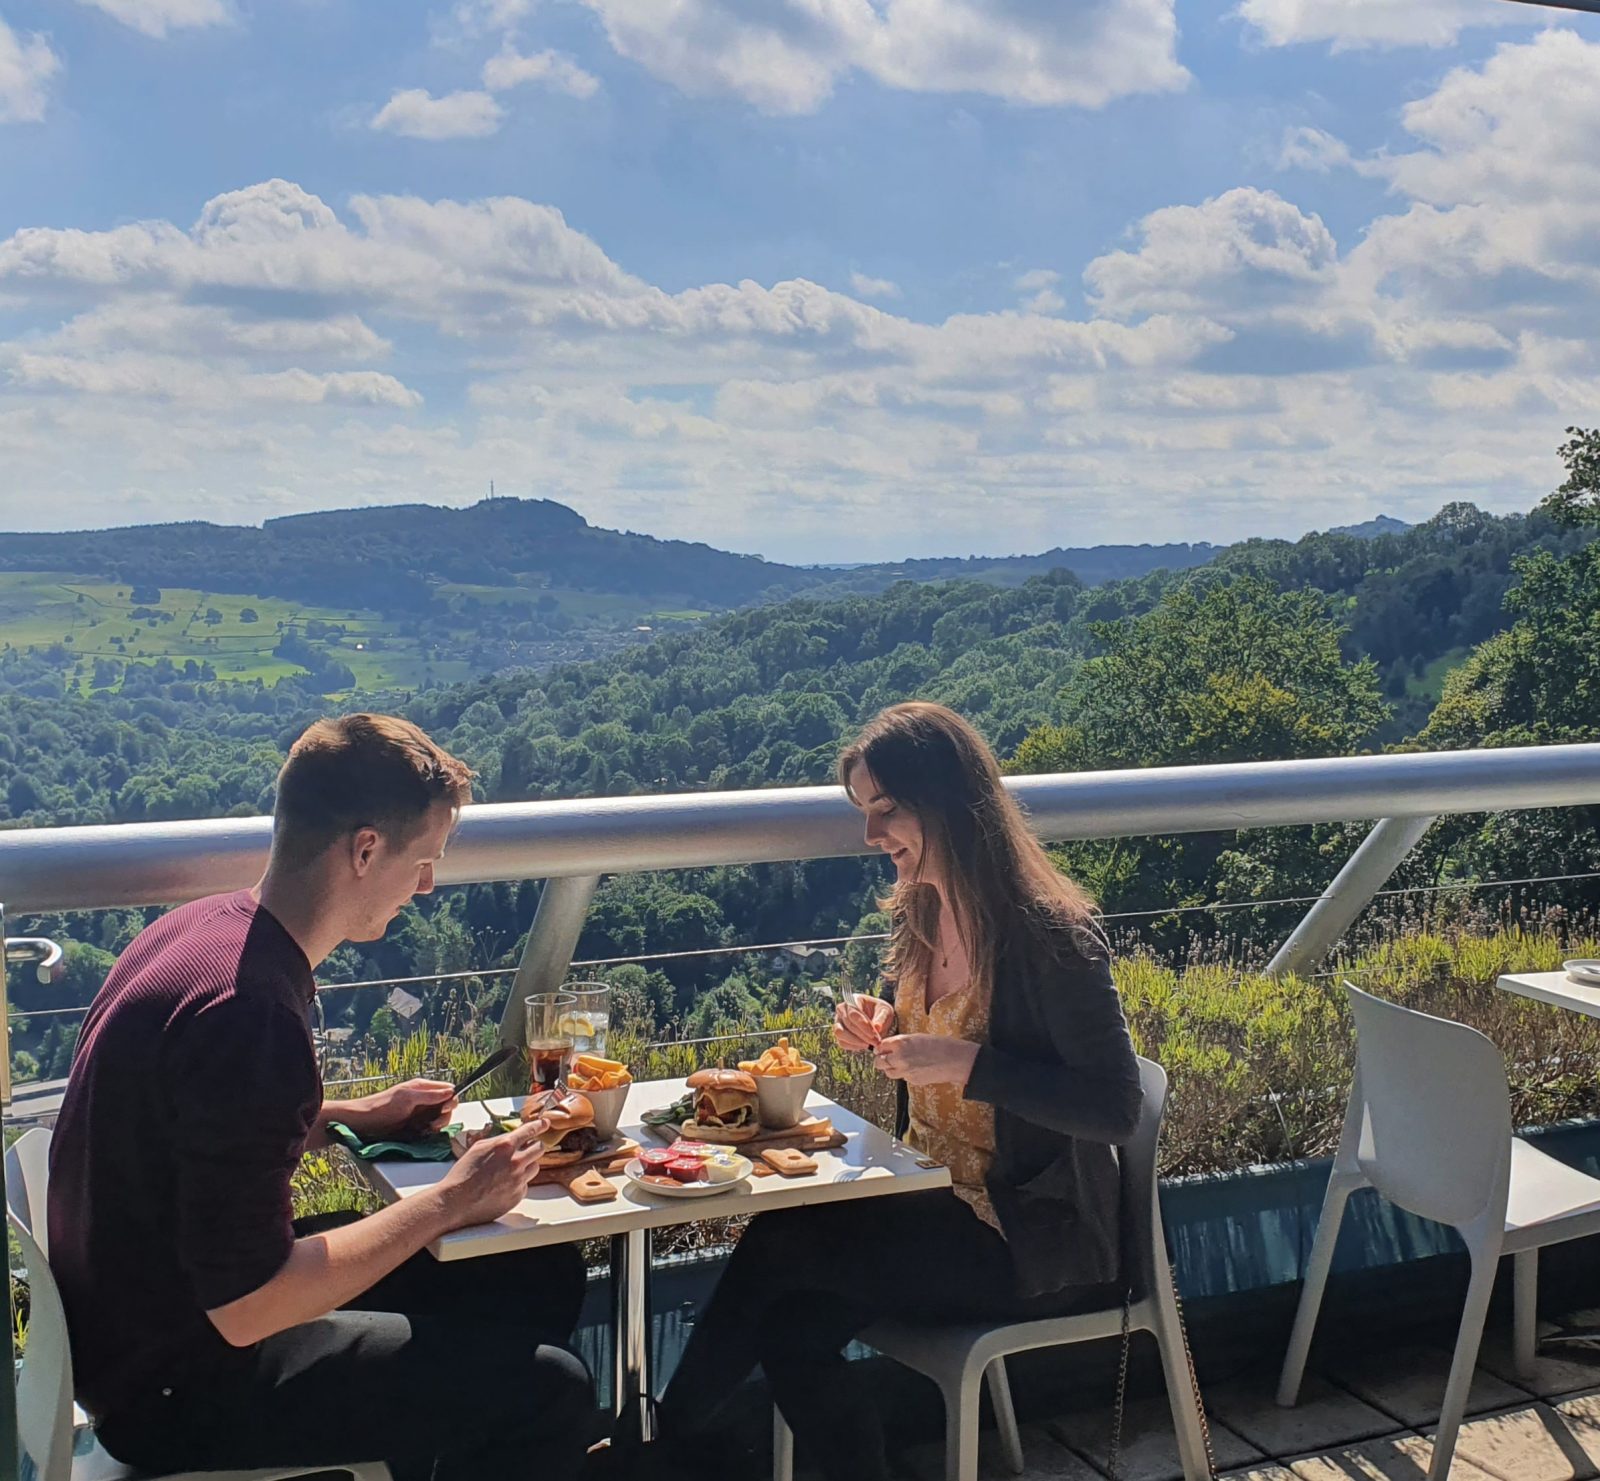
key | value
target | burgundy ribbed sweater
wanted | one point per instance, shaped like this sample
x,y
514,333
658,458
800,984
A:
x,y
194,1088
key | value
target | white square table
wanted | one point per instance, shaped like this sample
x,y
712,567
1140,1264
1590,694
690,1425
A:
x,y
1560,991
1555,988
871,1164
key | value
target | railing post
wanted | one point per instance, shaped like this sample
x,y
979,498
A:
x,y
1366,872
10,1459
557,924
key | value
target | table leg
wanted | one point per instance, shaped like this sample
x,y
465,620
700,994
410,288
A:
x,y
631,1396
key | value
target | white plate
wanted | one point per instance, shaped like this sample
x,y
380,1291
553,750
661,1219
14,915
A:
x,y
635,1172
1585,970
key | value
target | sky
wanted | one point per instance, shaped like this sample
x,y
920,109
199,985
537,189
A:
x,y
824,280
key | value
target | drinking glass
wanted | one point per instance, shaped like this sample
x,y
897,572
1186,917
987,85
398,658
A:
x,y
549,1033
590,1017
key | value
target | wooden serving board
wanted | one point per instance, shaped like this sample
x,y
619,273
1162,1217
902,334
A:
x,y
612,1157
814,1134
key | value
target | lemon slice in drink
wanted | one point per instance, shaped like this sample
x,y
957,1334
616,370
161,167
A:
x,y
576,1025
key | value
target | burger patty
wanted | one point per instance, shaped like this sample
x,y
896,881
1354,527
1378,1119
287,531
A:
x,y
584,1140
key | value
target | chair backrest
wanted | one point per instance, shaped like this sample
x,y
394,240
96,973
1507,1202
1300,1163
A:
x,y
1142,1234
1430,1113
28,1183
44,1387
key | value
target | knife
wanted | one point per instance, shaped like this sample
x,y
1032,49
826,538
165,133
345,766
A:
x,y
488,1067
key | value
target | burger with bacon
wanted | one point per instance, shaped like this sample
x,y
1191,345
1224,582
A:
x,y
724,1107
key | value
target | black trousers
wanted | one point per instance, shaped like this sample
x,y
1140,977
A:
x,y
802,1283
444,1371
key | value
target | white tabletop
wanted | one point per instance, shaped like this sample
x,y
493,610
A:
x,y
869,1165
1556,988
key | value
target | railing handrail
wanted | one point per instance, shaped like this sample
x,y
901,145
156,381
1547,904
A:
x,y
127,864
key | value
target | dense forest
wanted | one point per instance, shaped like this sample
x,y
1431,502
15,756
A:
x,y
1329,645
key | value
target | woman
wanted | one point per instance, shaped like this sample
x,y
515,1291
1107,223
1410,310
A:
x,y
1015,1070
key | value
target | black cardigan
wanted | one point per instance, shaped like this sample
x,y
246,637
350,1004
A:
x,y
1059,1069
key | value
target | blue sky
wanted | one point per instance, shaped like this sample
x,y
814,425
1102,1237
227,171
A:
x,y
824,279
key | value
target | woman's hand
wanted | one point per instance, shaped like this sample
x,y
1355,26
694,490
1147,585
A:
x,y
926,1059
863,1026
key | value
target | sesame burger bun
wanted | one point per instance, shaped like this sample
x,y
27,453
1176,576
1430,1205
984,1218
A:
x,y
724,1107
570,1135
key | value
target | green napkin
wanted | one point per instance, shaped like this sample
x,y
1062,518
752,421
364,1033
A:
x,y
433,1147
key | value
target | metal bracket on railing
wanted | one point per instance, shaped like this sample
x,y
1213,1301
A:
x,y
1366,872
557,925
41,950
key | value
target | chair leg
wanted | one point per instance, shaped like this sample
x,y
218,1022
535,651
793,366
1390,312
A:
x,y
1182,1396
1525,1312
1005,1416
782,1447
961,1425
1463,1362
1340,1187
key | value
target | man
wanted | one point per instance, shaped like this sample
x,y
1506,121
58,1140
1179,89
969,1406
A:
x,y
209,1330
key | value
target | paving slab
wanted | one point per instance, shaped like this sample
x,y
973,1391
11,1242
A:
x,y
1149,1443
1556,1373
1529,1443
1581,1415
1044,1458
1397,1458
1326,1415
1272,1471
1409,1383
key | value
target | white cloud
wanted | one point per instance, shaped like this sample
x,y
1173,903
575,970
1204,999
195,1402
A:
x,y
864,287
417,114
164,378
786,56
1242,250
1306,148
508,69
158,17
26,66
1350,24
1234,362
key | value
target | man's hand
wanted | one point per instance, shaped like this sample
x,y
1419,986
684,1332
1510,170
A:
x,y
407,1110
926,1059
493,1175
861,1027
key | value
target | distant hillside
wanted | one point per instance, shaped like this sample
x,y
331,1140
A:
x,y
1373,528
393,558
389,558
1093,566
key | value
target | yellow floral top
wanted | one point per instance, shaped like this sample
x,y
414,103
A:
x,y
944,1124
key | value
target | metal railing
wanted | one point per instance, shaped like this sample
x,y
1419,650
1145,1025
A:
x,y
48,869
570,844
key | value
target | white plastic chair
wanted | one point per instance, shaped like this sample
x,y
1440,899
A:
x,y
960,1358
47,1419
1429,1126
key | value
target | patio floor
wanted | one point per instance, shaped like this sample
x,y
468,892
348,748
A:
x,y
1370,1416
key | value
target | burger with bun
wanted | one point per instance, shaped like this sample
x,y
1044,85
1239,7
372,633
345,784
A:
x,y
569,1134
724,1107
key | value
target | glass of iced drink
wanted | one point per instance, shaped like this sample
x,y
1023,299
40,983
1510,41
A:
x,y
590,1016
549,1031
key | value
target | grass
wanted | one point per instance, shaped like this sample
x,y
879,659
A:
x,y
1260,1069
38,610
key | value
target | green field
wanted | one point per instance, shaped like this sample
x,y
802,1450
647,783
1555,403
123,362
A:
x,y
94,619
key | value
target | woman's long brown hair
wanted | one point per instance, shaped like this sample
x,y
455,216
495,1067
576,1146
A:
x,y
1000,880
